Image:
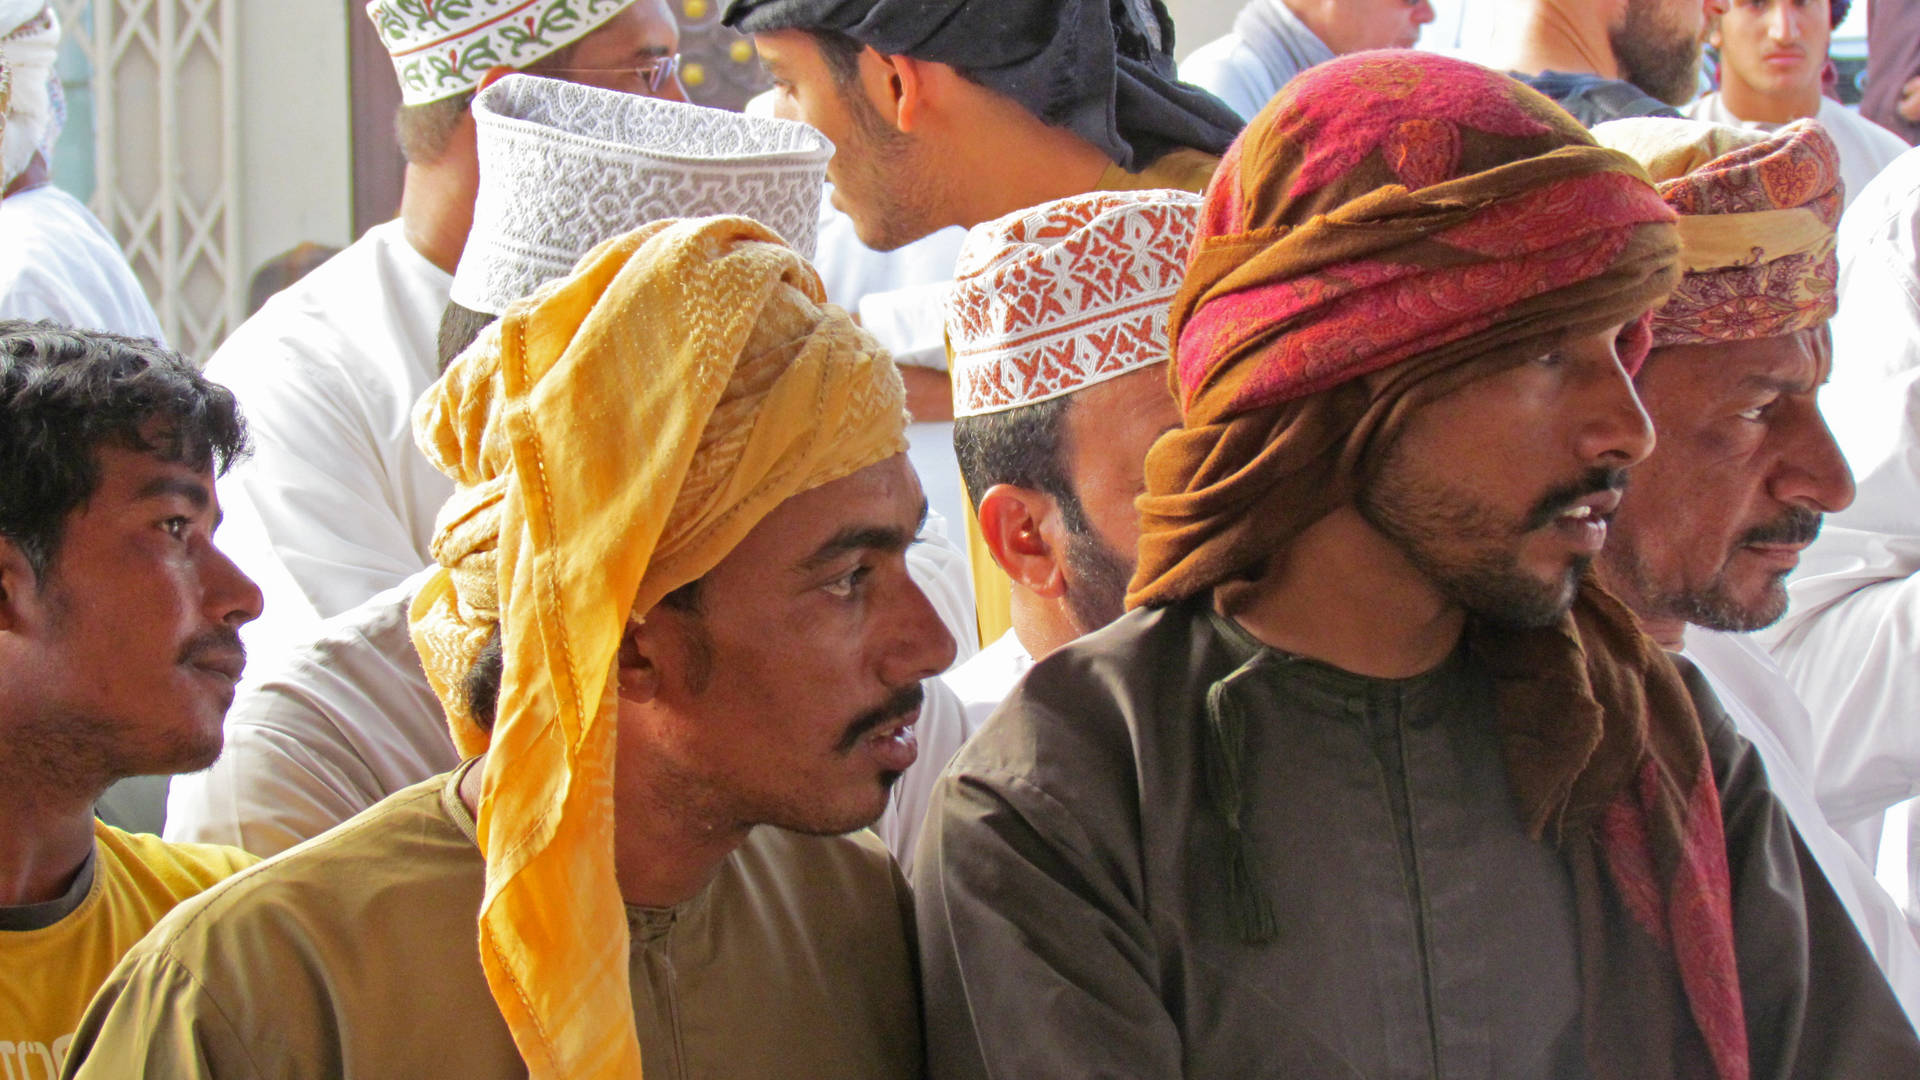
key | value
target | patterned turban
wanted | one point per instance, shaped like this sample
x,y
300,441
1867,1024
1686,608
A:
x,y
440,49
1390,209
1757,219
613,437
36,109
1393,226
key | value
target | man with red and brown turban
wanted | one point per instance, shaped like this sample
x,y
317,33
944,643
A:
x,y
1375,781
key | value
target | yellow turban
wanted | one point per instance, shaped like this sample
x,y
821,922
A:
x,y
613,437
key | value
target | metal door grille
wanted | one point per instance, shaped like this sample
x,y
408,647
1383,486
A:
x,y
165,83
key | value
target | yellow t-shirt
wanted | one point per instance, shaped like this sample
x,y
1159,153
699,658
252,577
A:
x,y
48,975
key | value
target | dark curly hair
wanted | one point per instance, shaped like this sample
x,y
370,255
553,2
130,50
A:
x,y
64,393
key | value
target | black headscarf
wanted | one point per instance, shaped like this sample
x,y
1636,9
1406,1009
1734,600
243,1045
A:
x,y
1102,69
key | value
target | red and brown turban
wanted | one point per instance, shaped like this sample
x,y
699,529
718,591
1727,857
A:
x,y
1391,210
1757,219
1392,226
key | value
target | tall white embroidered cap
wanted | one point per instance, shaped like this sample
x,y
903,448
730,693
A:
x,y
444,47
565,166
1060,296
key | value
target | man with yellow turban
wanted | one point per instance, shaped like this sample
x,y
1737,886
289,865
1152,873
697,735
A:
x,y
1745,468
1374,781
675,629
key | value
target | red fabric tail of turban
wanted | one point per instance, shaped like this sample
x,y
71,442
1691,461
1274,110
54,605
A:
x,y
1392,226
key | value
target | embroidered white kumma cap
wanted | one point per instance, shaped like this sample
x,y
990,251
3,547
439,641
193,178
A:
x,y
444,47
565,166
1060,296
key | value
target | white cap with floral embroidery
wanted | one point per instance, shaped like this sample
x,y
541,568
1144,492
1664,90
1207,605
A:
x,y
444,47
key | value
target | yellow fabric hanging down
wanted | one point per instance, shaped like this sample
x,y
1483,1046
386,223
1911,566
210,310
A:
x,y
1184,169
612,438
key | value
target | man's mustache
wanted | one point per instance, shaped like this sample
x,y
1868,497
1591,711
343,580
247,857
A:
x,y
898,704
1798,525
1554,502
220,643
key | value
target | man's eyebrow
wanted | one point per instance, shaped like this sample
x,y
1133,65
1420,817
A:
x,y
1777,384
193,491
884,538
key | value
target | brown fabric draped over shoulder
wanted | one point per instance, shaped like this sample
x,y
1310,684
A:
x,y
1392,226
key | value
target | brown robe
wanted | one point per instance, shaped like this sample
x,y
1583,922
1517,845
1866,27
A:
x,y
1073,922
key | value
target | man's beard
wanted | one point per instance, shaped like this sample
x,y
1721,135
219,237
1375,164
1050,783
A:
x,y
1097,579
1480,570
1659,58
1713,606
893,211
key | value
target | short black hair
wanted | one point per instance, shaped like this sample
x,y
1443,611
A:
x,y
1026,447
65,393
480,689
841,54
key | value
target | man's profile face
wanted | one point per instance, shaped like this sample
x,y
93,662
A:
x,y
1353,25
1110,426
873,178
1500,491
1718,515
1656,44
126,650
610,55
803,663
1777,48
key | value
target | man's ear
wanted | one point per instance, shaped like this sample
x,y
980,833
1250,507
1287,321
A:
x,y
19,585
896,86
637,664
1013,521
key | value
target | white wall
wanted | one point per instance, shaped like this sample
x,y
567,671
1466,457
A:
x,y
296,146
1196,22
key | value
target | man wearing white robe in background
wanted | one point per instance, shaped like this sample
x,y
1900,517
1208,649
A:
x,y
1850,643
1743,467
347,717
337,503
57,261
1772,56
1274,40
1058,325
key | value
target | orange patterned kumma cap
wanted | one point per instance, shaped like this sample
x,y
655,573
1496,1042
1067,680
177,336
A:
x,y
1757,218
1055,298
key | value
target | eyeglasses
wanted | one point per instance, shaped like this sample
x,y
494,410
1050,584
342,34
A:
x,y
651,74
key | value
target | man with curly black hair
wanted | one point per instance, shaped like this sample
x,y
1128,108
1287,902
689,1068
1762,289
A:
x,y
119,651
